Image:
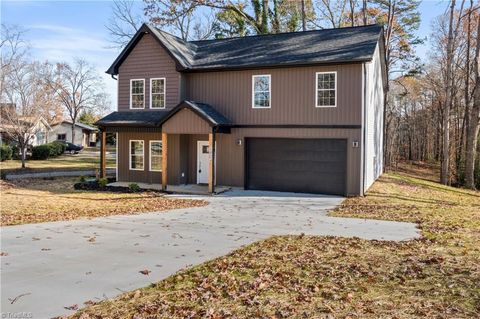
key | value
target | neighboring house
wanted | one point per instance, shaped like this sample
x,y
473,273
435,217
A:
x,y
38,133
300,111
85,135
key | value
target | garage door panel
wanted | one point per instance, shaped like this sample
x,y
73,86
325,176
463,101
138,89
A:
x,y
296,165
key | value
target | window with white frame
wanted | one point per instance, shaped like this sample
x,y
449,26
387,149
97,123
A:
x,y
326,89
157,93
156,156
261,91
136,155
137,93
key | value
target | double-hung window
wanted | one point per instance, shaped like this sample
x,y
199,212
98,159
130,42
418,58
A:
x,y
261,91
136,155
156,156
157,93
326,89
137,93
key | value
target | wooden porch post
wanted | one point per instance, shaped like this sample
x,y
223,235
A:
x,y
103,153
164,161
211,171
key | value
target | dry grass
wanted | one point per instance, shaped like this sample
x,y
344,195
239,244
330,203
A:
x,y
40,200
326,277
63,162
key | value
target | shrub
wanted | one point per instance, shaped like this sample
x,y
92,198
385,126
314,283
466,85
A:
x,y
134,187
41,152
5,153
16,152
102,182
57,148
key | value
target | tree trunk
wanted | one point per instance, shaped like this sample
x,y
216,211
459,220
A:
x,y
265,17
304,18
364,12
73,131
445,164
23,153
473,123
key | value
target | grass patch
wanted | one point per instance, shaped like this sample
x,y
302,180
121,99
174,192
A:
x,y
64,162
40,200
437,276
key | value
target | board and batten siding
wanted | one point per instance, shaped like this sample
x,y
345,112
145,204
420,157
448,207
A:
x,y
125,174
186,122
146,61
374,120
292,95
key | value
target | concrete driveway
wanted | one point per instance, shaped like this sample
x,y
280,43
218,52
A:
x,y
55,265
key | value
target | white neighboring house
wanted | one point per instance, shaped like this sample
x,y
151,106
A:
x,y
85,135
39,133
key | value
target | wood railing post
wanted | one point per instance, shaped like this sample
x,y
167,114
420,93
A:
x,y
164,161
211,171
103,154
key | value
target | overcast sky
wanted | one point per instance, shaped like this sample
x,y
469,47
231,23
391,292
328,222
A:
x,y
62,30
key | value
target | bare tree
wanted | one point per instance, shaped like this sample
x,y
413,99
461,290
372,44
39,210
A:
x,y
474,120
12,47
24,92
124,22
78,88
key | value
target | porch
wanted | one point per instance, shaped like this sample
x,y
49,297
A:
x,y
184,141
190,189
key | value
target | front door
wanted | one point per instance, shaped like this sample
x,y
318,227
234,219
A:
x,y
203,158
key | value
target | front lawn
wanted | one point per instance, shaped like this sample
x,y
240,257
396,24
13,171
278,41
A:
x,y
437,276
83,160
40,200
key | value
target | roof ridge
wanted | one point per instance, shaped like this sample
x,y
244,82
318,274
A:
x,y
283,33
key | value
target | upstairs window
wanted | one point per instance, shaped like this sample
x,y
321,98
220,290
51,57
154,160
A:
x,y
137,94
136,155
261,91
157,93
156,156
326,89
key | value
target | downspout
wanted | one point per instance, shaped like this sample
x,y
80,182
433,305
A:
x,y
364,130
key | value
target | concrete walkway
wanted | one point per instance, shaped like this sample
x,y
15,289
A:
x,y
51,266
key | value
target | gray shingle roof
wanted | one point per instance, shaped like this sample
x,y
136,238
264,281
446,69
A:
x,y
141,118
208,113
341,45
144,118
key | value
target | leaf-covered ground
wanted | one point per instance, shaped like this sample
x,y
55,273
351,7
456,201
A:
x,y
437,276
40,200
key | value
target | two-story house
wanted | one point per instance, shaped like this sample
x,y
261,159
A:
x,y
299,112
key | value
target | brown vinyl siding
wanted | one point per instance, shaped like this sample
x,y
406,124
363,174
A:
x,y
182,154
125,174
148,60
186,122
292,95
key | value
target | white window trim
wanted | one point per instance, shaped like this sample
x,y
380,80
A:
x,y
316,89
150,155
164,93
137,108
130,155
269,91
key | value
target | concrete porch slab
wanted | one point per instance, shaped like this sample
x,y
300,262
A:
x,y
190,189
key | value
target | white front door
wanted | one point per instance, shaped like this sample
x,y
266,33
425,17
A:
x,y
203,158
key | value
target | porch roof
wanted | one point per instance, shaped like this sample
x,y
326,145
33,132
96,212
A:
x,y
142,118
156,118
203,110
